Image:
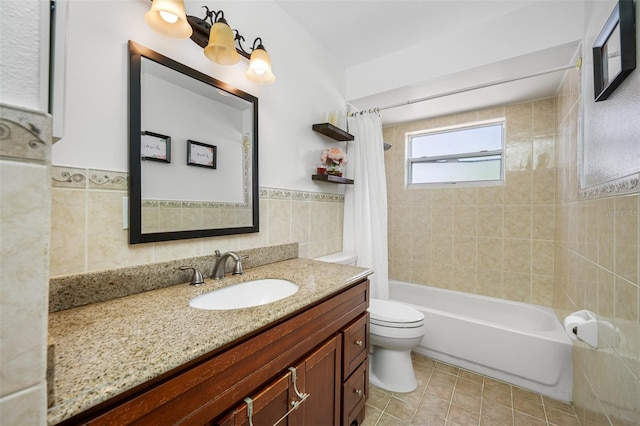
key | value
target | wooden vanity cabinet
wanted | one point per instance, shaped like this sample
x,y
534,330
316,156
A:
x,y
320,342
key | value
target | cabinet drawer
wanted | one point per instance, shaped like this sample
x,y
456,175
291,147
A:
x,y
355,341
354,395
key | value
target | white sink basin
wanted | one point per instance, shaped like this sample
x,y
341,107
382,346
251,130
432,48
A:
x,y
245,294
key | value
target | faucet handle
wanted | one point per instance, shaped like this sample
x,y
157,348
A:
x,y
196,278
238,269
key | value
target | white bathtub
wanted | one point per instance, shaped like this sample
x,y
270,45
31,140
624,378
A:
x,y
518,343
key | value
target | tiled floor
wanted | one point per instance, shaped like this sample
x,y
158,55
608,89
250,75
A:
x,y
448,395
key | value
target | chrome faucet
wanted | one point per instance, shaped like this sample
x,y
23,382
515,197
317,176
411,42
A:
x,y
221,260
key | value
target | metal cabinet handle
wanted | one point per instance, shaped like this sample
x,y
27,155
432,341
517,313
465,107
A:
x,y
358,342
294,404
358,392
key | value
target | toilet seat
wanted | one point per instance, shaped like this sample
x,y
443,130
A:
x,y
387,313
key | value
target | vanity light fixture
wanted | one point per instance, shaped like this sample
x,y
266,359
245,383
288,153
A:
x,y
259,65
169,18
221,44
221,48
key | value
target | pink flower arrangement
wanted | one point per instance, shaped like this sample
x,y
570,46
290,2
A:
x,y
334,157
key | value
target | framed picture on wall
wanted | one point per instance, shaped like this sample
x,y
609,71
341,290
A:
x,y
614,51
155,147
201,154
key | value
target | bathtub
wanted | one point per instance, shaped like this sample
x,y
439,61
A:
x,y
518,343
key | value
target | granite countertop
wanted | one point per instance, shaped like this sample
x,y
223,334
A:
x,y
104,349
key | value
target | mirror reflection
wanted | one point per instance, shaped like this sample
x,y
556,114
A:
x,y
612,59
193,153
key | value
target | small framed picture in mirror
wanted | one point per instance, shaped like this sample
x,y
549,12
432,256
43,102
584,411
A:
x,y
155,147
614,51
201,154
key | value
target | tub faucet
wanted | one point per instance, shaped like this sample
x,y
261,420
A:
x,y
221,260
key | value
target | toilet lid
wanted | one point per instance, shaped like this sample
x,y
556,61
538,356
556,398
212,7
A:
x,y
394,314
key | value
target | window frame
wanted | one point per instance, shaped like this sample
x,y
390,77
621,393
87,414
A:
x,y
410,161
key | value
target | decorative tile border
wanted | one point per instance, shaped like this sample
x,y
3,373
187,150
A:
x,y
102,179
72,177
246,167
148,202
288,194
24,134
626,185
170,204
300,196
68,177
279,194
333,198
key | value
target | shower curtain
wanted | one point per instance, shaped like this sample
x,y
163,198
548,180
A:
x,y
365,203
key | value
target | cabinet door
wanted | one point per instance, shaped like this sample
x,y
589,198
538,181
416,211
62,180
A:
x,y
268,405
317,375
322,382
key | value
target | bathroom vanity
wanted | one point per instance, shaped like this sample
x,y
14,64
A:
x,y
304,357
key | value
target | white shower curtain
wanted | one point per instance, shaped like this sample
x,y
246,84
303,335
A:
x,y
365,204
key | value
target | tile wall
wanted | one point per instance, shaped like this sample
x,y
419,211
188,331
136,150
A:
x,y
25,156
87,225
597,268
496,240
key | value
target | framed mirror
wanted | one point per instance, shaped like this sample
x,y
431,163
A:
x,y
614,51
193,152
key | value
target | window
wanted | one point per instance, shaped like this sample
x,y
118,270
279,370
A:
x,y
469,154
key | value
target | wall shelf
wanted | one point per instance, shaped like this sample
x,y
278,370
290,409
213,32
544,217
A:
x,y
332,179
340,135
333,132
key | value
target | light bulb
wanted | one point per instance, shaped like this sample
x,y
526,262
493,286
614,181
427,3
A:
x,y
169,17
259,69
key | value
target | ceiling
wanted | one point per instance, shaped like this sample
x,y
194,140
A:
x,y
359,31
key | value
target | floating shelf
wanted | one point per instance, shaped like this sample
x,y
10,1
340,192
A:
x,y
333,132
332,179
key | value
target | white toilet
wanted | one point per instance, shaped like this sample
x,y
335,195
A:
x,y
395,329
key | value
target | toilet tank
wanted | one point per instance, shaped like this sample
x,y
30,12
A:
x,y
343,258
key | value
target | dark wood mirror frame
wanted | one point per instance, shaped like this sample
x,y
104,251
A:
x,y
136,53
623,19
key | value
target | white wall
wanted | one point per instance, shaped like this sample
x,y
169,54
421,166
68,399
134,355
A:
x,y
540,26
611,127
96,93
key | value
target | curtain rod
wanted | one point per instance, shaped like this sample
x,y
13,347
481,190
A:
x,y
478,86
